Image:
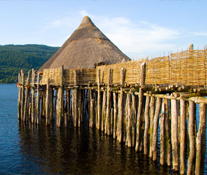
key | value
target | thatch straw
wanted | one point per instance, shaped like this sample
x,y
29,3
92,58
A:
x,y
86,47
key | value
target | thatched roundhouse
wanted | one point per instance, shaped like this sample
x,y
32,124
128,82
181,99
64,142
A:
x,y
85,48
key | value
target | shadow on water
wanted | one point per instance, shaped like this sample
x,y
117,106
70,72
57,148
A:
x,y
51,150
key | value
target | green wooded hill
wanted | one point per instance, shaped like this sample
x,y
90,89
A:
x,y
13,58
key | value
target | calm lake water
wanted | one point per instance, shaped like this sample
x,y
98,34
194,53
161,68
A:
x,y
45,150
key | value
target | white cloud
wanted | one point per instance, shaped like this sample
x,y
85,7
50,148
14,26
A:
x,y
62,22
138,38
84,13
200,33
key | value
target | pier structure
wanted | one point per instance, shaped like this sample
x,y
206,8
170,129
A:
x,y
156,106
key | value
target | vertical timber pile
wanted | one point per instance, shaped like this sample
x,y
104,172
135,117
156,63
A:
x,y
134,112
120,107
59,107
103,109
200,141
49,104
20,94
115,115
19,98
162,134
155,129
167,132
98,125
33,97
37,118
152,111
108,106
26,102
146,128
75,101
139,112
131,113
91,108
68,114
174,133
129,121
182,138
191,130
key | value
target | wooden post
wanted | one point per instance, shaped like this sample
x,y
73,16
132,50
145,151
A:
x,y
167,134
142,73
75,106
112,121
146,127
47,103
79,106
75,101
115,114
95,108
108,105
79,111
162,134
33,97
103,111
38,100
182,137
155,129
67,106
99,101
59,109
19,96
22,94
174,133
124,119
139,115
120,107
26,103
200,141
129,122
191,132
139,112
43,102
134,119
51,104
152,111
91,113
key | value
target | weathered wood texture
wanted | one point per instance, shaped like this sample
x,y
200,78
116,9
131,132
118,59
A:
x,y
191,131
174,134
155,129
98,125
130,101
182,137
120,108
201,141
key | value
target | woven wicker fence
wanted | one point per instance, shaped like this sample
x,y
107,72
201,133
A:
x,y
186,68
54,76
84,76
132,69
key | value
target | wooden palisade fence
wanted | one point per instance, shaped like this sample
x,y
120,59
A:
x,y
132,101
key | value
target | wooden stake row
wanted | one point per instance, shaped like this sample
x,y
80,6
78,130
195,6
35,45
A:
x,y
148,123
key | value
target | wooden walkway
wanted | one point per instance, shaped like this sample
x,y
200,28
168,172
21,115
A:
x,y
156,105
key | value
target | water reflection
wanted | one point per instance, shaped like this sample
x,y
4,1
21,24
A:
x,y
50,150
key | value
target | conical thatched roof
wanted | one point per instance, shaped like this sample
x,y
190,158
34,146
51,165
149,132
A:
x,y
86,47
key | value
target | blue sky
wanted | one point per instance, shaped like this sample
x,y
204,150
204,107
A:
x,y
139,28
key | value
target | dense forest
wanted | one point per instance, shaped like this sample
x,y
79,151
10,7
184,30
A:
x,y
13,58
